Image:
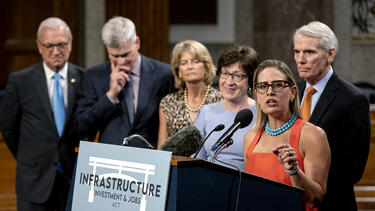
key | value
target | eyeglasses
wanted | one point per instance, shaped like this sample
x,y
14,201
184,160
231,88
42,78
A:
x,y
277,86
235,76
49,46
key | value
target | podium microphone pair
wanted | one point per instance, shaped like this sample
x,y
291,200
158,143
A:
x,y
242,119
189,140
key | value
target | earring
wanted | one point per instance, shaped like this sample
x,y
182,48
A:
x,y
249,93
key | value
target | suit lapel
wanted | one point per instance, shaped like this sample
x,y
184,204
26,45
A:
x,y
146,84
325,99
72,81
301,88
40,83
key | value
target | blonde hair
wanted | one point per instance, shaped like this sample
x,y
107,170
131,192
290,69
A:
x,y
294,105
200,52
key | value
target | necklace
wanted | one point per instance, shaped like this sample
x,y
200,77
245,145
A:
x,y
280,130
200,106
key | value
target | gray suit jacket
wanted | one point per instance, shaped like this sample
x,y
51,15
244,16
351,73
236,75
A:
x,y
343,112
29,130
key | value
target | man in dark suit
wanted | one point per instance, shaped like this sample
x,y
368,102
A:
x,y
336,106
121,96
36,121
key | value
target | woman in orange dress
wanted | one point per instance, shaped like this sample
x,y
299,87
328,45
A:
x,y
282,146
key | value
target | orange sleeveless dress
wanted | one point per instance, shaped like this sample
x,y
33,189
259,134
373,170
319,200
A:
x,y
267,165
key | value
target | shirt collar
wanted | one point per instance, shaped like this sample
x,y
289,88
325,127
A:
x,y
320,85
137,67
49,73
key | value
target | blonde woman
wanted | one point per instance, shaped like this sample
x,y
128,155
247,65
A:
x,y
193,71
282,146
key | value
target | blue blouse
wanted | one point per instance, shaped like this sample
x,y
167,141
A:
x,y
211,115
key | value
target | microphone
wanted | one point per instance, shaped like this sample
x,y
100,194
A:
x,y
217,128
136,136
185,142
242,119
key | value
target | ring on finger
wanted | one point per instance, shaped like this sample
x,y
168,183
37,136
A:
x,y
290,153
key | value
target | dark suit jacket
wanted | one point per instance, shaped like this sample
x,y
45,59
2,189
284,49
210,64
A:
x,y
29,130
343,112
96,112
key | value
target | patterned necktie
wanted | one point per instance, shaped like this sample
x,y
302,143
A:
x,y
58,104
129,97
306,105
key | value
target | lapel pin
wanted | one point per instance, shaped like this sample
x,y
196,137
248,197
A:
x,y
73,80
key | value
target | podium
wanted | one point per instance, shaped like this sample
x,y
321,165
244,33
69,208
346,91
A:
x,y
201,185
193,184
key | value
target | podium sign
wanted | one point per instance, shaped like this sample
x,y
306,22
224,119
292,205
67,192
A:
x,y
112,178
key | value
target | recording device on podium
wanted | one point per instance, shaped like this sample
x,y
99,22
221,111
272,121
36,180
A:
x,y
185,142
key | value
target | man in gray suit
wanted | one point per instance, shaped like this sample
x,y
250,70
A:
x,y
36,121
336,106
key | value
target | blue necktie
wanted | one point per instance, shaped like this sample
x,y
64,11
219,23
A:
x,y
58,104
129,97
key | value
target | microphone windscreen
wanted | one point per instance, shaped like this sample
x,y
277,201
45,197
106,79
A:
x,y
244,117
185,142
219,127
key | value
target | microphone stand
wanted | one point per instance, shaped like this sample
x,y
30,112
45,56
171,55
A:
x,y
217,128
230,142
136,136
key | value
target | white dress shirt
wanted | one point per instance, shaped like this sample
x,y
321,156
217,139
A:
x,y
51,82
319,87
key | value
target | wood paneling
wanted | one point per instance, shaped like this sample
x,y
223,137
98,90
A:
x,y
151,20
274,22
205,12
7,178
365,188
368,177
19,21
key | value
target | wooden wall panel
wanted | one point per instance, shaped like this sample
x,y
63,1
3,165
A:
x,y
7,179
151,18
19,21
275,21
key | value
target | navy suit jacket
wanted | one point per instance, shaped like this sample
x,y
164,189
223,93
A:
x,y
29,130
96,112
343,112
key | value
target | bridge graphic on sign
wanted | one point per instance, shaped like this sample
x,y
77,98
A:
x,y
121,167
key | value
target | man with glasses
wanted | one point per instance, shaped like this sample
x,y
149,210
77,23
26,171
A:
x,y
336,106
36,121
121,96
